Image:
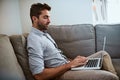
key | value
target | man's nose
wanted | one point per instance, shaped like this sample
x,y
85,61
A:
x,y
49,20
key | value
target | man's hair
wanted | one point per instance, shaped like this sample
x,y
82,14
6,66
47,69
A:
x,y
36,9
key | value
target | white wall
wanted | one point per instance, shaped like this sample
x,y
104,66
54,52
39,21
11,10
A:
x,y
63,12
10,17
15,19
113,11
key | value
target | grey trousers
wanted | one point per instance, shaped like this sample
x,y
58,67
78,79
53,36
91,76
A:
x,y
106,73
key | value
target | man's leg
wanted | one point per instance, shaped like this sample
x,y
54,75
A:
x,y
107,63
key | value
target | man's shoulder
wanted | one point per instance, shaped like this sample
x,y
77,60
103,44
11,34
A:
x,y
34,36
34,39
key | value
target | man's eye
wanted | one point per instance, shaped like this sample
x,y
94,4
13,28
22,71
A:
x,y
45,17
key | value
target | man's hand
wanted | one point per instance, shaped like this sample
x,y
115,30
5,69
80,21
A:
x,y
78,61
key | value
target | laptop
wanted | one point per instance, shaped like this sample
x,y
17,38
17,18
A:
x,y
92,63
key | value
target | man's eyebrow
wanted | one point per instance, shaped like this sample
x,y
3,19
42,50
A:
x,y
46,15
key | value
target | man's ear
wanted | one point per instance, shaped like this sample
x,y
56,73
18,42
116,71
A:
x,y
34,18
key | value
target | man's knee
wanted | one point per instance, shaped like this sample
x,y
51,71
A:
x,y
103,53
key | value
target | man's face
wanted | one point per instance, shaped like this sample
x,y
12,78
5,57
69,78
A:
x,y
43,20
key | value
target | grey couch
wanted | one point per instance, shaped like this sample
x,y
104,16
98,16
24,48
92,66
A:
x,y
79,39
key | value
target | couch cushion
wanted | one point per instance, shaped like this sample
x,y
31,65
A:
x,y
74,39
112,33
9,67
19,45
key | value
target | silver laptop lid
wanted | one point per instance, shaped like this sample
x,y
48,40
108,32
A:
x,y
104,43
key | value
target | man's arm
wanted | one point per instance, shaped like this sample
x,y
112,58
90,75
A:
x,y
50,73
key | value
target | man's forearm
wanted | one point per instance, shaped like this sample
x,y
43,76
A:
x,y
50,73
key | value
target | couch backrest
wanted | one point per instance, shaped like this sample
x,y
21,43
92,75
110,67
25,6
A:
x,y
19,45
74,39
112,33
9,66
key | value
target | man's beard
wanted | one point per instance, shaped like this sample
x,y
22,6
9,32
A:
x,y
42,27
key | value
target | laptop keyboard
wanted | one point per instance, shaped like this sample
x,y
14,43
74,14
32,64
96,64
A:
x,y
92,63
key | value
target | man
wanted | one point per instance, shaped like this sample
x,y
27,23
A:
x,y
45,59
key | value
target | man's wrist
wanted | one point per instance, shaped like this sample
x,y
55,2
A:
x,y
68,65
